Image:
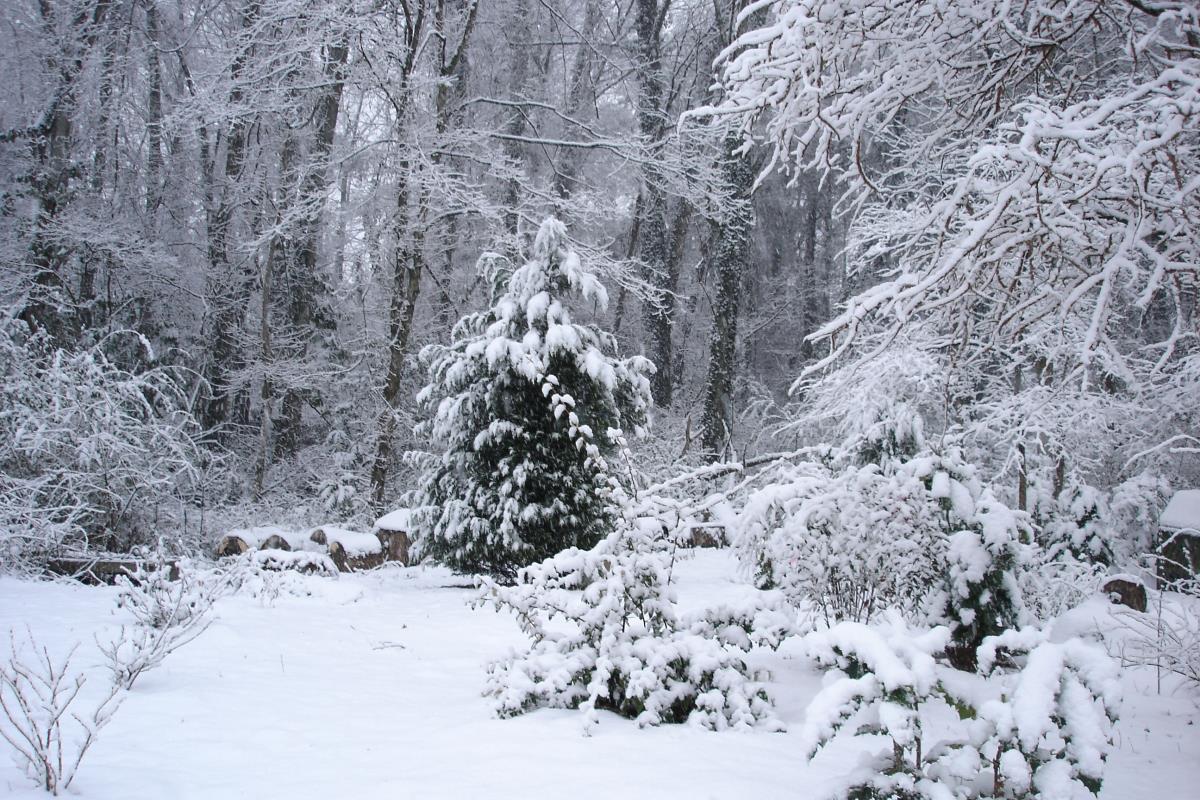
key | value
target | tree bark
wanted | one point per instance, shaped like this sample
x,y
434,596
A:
x,y
228,285
658,312
306,287
730,262
47,305
408,263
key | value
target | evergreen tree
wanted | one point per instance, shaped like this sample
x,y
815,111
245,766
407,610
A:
x,y
526,406
1077,526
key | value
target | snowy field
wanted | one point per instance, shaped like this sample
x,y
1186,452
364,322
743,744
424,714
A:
x,y
370,688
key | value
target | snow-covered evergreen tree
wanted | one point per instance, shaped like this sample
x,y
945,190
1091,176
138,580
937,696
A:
x,y
1078,526
525,405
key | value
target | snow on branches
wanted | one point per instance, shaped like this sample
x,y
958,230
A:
x,y
85,446
526,405
1042,729
883,525
606,635
1022,182
1019,184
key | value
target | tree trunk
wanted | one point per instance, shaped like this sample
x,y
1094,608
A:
x,y
408,263
306,286
406,286
730,262
51,144
228,285
658,312
580,88
154,142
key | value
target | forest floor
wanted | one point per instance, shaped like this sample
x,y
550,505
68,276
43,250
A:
x,y
370,688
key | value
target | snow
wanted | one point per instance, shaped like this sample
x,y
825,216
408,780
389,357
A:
x,y
397,520
355,543
371,688
254,537
1183,511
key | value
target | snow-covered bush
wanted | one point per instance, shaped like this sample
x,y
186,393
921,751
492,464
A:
x,y
880,677
606,635
1078,526
525,405
1052,586
1166,636
1082,533
849,542
1136,504
1042,730
164,593
1049,733
981,595
40,717
171,605
914,531
86,448
268,575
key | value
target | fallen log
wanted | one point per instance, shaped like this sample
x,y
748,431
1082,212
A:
x,y
303,562
392,531
275,542
348,562
97,571
231,545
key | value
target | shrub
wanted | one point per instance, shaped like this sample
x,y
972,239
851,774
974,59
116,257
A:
x,y
86,449
40,721
1042,729
606,635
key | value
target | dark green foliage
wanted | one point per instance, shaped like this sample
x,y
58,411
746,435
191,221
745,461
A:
x,y
527,407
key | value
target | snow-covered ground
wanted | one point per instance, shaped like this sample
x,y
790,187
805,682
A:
x,y
371,688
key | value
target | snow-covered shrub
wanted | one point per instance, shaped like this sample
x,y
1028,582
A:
x,y
161,593
916,532
1041,730
39,717
525,405
1136,504
981,595
1053,586
169,611
1166,636
86,448
1082,533
301,561
268,575
880,677
1049,734
849,541
1078,526
606,635
340,493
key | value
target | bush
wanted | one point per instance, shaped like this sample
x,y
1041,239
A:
x,y
851,542
1042,729
87,449
917,532
168,613
606,636
40,720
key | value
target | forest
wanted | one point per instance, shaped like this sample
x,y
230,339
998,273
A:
x,y
826,370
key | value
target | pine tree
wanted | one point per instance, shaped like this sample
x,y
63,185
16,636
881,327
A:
x,y
1077,526
526,406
